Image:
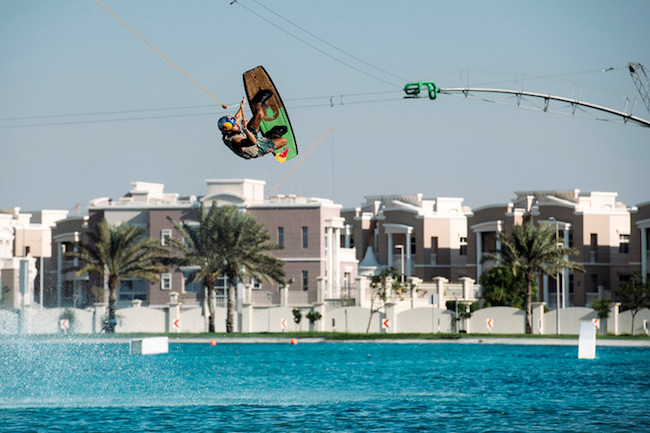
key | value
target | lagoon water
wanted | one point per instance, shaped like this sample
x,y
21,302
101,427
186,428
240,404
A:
x,y
337,387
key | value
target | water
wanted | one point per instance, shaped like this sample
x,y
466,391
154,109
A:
x,y
323,387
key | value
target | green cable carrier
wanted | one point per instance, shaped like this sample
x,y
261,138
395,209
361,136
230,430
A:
x,y
413,90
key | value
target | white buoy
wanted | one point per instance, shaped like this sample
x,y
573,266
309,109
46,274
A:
x,y
149,346
587,341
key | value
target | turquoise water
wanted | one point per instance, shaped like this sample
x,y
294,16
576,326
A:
x,y
323,387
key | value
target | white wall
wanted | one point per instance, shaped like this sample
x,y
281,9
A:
x,y
505,320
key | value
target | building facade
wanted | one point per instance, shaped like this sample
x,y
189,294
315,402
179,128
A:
x,y
640,240
594,223
308,230
423,238
26,265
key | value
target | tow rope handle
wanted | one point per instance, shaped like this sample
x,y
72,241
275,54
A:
x,y
413,90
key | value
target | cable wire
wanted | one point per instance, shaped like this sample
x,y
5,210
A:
x,y
165,57
329,44
315,47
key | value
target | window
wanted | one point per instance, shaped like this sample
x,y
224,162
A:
x,y
594,248
281,236
191,286
305,280
412,245
463,246
434,250
166,282
132,289
165,235
221,289
624,244
305,237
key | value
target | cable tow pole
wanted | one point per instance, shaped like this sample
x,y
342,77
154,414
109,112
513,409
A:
x,y
165,57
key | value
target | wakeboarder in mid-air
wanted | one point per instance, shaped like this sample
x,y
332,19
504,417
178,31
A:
x,y
243,138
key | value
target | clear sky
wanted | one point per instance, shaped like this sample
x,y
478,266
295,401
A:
x,y
86,107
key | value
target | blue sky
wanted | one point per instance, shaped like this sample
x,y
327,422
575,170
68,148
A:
x,y
86,107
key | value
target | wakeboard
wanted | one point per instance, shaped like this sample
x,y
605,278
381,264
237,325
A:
x,y
274,111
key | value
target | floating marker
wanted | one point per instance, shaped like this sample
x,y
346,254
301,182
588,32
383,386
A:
x,y
149,346
213,342
294,341
587,341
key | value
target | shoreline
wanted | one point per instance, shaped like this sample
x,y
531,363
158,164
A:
x,y
520,341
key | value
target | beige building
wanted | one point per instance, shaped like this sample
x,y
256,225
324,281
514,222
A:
x,y
308,229
640,240
594,223
25,250
424,238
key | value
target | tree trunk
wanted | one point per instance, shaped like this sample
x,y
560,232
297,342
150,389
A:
x,y
113,283
529,304
232,298
372,312
210,283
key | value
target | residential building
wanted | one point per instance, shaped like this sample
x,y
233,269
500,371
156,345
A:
x,y
25,248
424,238
594,223
640,240
308,229
68,289
147,205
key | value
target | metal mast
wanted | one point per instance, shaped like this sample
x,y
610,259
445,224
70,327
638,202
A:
x,y
641,82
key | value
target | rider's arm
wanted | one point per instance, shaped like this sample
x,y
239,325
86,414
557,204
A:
x,y
239,115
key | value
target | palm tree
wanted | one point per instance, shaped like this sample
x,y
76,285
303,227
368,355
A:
x,y
199,248
532,250
232,244
116,253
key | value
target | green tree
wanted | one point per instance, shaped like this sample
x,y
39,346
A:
x,y
501,287
602,307
532,250
227,243
634,295
462,311
4,297
297,316
313,317
118,252
381,287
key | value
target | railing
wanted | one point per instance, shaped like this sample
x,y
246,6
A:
x,y
453,290
262,298
297,298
